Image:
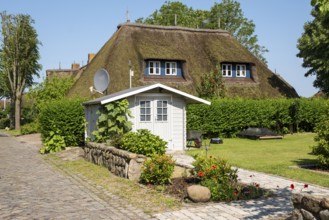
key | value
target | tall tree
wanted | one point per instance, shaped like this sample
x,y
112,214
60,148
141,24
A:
x,y
313,47
226,15
19,57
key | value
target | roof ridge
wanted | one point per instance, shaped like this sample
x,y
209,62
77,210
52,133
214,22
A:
x,y
174,28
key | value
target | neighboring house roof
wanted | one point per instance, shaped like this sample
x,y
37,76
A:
x,y
141,89
199,51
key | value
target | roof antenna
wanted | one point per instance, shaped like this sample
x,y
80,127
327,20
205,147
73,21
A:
x,y
218,22
127,15
59,65
175,19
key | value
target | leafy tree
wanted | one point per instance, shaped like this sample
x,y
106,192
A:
x,y
226,15
313,48
211,85
50,89
19,57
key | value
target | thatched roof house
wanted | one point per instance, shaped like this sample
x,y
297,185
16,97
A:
x,y
178,57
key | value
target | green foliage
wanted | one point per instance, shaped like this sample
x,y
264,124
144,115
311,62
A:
x,y
19,55
54,88
227,117
63,118
30,128
143,142
4,122
321,149
158,170
211,85
53,143
228,13
313,45
218,176
113,122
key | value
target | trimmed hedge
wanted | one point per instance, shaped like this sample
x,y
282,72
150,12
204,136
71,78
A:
x,y
227,117
64,118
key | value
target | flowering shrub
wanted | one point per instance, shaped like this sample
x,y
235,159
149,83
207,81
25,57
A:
x,y
218,176
292,187
158,169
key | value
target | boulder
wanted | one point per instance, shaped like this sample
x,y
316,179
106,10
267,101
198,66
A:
x,y
198,193
324,215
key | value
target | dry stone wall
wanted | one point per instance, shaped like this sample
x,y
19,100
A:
x,y
310,207
119,162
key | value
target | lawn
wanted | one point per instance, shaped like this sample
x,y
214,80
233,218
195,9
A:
x,y
271,156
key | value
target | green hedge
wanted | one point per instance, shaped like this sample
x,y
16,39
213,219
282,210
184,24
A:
x,y
64,118
227,117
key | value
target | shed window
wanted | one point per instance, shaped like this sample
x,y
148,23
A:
x,y
154,67
227,70
145,110
171,68
241,71
162,111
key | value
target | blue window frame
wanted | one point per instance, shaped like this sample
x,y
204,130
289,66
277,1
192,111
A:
x,y
163,68
236,70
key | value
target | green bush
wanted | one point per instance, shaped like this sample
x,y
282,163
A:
x,y
143,142
227,117
53,143
321,149
158,170
218,176
30,128
4,122
64,118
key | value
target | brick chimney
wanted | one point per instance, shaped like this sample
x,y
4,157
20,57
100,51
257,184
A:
x,y
75,66
90,57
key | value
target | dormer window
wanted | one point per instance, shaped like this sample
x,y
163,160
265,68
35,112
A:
x,y
171,68
164,69
154,68
227,70
241,70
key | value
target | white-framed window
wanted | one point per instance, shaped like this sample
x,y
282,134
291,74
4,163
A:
x,y
241,70
171,68
154,67
162,111
227,70
145,111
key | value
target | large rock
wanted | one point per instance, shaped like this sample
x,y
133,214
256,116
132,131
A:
x,y
198,193
324,215
325,203
134,171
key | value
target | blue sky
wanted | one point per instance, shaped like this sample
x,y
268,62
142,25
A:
x,y
71,29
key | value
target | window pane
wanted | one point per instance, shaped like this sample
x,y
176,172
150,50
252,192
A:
x,y
165,104
159,118
143,111
148,104
142,117
148,111
165,118
142,103
159,104
159,111
165,111
148,118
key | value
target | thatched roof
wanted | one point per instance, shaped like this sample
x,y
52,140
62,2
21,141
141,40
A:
x,y
199,50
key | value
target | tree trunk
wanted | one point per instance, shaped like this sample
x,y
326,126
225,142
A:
x,y
18,113
12,113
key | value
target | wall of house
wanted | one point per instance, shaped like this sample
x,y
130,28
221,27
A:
x,y
91,118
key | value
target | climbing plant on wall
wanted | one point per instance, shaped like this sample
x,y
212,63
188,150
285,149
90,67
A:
x,y
113,122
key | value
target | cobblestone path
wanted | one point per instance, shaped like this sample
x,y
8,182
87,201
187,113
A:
x,y
32,189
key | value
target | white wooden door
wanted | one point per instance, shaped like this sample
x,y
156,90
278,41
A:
x,y
154,114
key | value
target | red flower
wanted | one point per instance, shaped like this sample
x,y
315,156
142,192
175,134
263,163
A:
x,y
201,174
292,186
257,185
305,185
236,192
213,166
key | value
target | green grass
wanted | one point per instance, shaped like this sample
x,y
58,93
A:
x,y
140,196
271,156
11,132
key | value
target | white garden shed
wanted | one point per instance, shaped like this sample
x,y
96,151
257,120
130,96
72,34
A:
x,y
158,108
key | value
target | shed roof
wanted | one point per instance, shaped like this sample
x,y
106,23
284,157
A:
x,y
141,89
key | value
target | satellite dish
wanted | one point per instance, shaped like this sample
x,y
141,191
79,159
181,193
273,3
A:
x,y
101,80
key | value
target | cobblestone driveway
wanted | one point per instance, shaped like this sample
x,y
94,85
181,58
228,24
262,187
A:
x,y
32,189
